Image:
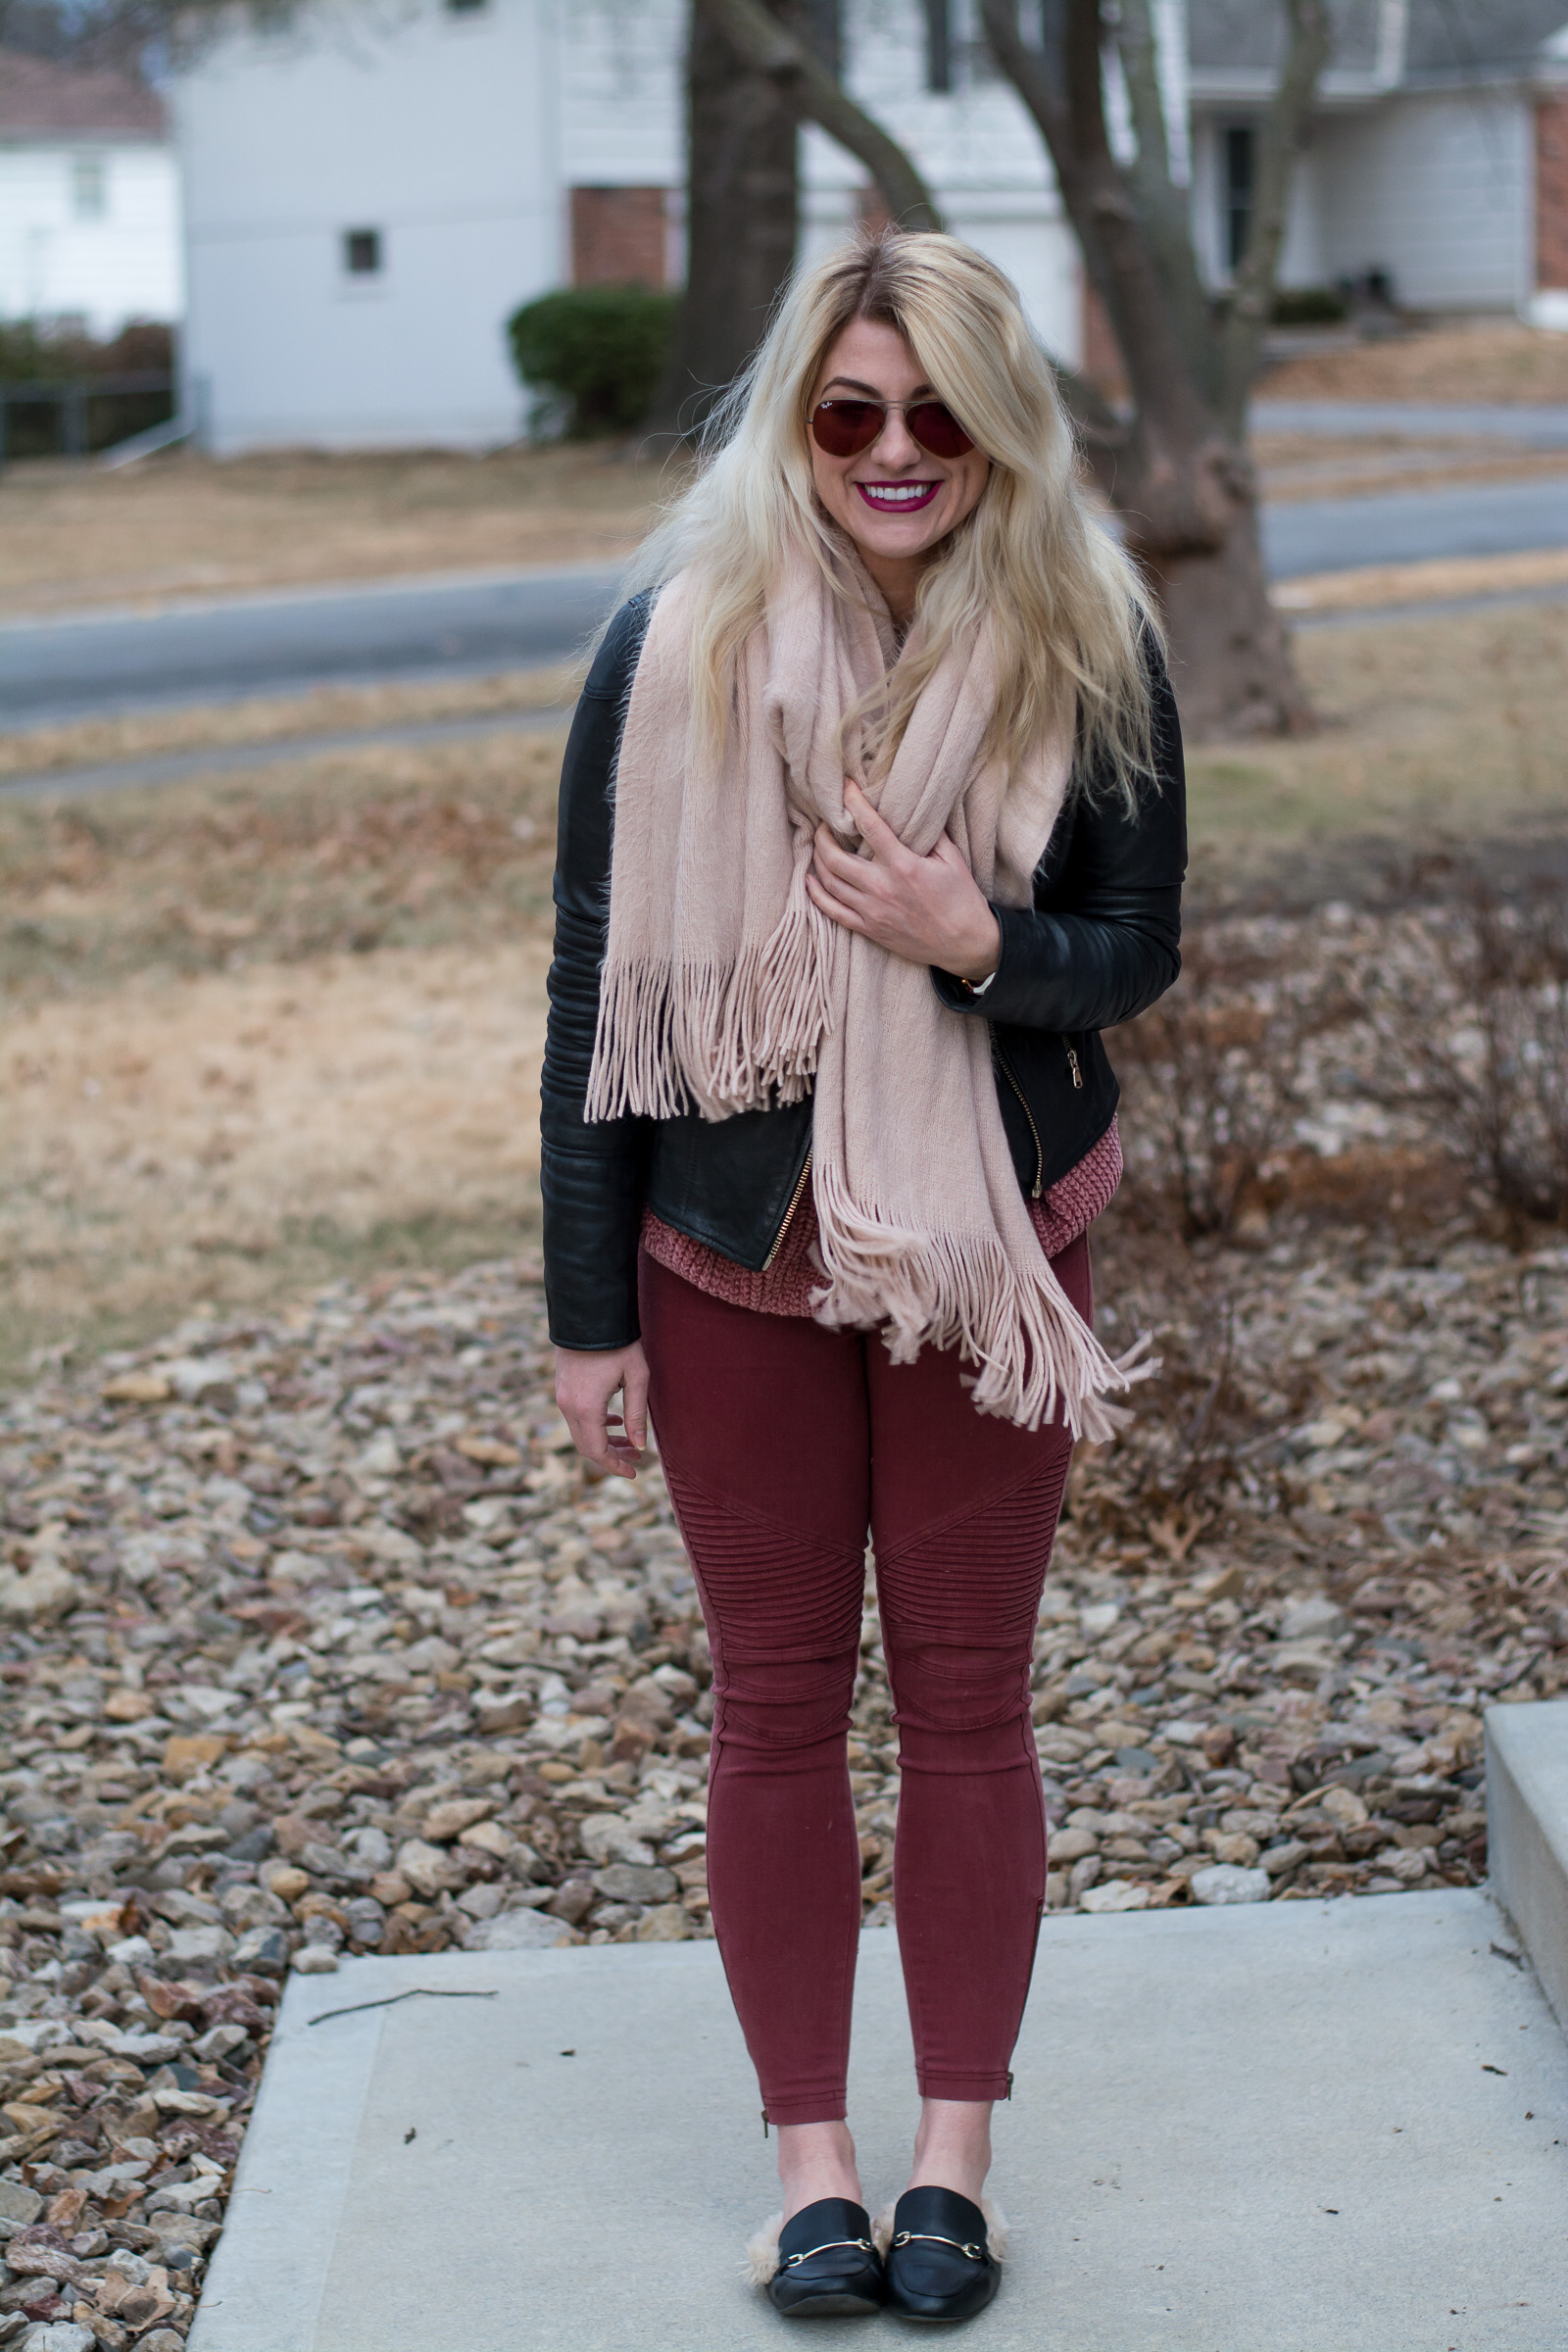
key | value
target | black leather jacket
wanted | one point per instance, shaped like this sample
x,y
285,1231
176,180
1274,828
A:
x,y
1099,945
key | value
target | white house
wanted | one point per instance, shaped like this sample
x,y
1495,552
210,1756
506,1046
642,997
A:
x,y
372,186
370,192
1437,158
90,198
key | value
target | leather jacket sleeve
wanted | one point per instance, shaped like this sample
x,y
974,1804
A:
x,y
592,1177
1101,940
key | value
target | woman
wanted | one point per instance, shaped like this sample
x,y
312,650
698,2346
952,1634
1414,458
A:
x,y
897,795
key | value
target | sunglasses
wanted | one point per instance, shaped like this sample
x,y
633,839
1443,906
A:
x,y
842,428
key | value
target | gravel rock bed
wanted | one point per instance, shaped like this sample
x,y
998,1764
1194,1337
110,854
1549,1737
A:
x,y
316,1638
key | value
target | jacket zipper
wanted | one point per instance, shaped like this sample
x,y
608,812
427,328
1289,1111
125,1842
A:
x,y
1072,1064
1040,1158
795,1202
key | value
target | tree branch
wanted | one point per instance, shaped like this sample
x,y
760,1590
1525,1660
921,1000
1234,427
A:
x,y
1134,45
1122,254
761,42
1164,207
1253,289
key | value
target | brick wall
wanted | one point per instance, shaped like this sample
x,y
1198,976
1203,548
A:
x,y
1551,193
619,237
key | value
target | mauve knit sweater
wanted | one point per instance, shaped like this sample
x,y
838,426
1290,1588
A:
x,y
785,1288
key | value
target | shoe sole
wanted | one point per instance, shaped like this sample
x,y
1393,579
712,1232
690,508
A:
x,y
829,2307
938,2319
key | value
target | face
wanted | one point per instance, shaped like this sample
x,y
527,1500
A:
x,y
895,499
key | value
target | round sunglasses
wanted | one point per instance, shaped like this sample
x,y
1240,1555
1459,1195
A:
x,y
843,429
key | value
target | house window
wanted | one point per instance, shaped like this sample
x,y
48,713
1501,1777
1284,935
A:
x,y
1240,166
361,251
89,187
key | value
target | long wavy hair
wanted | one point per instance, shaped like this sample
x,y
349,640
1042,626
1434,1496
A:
x,y
1068,617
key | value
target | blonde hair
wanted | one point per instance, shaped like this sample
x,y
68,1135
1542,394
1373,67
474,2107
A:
x,y
1067,613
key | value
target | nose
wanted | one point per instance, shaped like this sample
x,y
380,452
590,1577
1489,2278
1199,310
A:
x,y
895,446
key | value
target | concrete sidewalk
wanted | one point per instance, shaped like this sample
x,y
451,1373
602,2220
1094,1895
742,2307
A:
x,y
1315,2127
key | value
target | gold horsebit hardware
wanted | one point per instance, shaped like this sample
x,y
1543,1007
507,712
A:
x,y
864,2243
929,2238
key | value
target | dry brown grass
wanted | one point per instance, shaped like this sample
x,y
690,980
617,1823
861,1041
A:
x,y
185,524
1491,363
278,718
1373,585
1302,465
386,847
1430,727
258,1031
231,1135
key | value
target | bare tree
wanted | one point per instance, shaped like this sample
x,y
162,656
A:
x,y
1177,470
754,73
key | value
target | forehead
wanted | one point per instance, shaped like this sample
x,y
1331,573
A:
x,y
873,354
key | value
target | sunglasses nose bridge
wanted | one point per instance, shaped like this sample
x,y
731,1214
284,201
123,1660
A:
x,y
896,427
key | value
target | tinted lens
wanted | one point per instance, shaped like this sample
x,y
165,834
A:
x,y
938,430
843,427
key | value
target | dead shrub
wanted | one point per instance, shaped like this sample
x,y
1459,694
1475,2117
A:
x,y
1470,1031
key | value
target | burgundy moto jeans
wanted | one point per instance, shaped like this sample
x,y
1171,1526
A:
x,y
783,1443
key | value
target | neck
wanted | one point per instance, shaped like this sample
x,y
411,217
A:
x,y
898,577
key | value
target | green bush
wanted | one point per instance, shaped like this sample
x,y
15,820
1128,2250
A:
x,y
1308,306
600,349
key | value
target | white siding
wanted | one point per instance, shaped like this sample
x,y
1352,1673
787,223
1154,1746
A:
x,y
981,155
1437,192
621,100
120,263
440,134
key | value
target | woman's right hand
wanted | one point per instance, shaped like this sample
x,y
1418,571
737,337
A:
x,y
585,1382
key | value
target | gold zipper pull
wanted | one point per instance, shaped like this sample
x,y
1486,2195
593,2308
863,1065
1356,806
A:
x,y
1077,1074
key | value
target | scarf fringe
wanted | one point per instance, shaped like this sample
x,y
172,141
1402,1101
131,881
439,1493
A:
x,y
1034,1351
744,1038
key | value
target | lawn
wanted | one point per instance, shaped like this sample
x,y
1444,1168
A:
x,y
263,1029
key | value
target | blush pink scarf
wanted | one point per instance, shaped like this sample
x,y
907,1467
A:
x,y
724,989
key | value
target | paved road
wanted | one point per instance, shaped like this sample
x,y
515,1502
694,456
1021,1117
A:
x,y
287,643
1411,421
1408,526
281,643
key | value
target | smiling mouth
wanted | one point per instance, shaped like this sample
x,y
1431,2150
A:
x,y
898,498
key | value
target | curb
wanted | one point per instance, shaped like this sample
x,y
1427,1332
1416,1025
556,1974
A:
x,y
1527,1833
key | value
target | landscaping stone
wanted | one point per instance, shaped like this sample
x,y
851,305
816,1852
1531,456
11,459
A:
x,y
1225,1883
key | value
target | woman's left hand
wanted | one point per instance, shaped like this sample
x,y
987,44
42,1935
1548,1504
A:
x,y
926,909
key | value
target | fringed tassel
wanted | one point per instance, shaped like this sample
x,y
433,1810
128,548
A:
x,y
1034,1353
725,1040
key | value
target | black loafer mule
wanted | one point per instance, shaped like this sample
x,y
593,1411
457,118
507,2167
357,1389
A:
x,y
940,2265
828,2268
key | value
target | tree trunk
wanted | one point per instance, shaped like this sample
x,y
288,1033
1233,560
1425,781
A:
x,y
1178,474
743,219
1229,657
1189,510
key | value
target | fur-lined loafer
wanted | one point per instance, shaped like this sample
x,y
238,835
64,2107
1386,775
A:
x,y
940,2260
822,2265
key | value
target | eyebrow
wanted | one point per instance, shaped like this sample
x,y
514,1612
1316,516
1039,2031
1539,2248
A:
x,y
920,392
